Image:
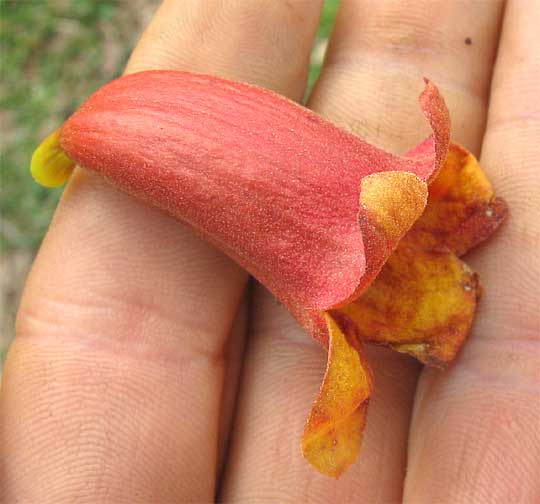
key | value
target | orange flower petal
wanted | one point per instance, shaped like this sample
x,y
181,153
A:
x,y
390,203
333,432
421,303
462,209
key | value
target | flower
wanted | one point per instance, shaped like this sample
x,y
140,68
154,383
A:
x,y
336,228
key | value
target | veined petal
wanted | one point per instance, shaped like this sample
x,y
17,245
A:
x,y
390,203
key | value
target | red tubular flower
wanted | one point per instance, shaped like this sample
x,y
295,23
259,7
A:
x,y
311,211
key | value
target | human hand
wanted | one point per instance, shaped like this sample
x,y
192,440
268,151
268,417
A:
x,y
121,383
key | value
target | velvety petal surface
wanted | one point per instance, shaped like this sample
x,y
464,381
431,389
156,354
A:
x,y
422,302
269,182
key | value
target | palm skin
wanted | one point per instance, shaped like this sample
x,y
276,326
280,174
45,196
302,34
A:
x,y
135,375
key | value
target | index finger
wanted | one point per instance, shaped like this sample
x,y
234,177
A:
x,y
115,384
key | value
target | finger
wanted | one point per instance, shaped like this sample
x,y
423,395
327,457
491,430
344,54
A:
x,y
263,42
475,435
372,76
115,384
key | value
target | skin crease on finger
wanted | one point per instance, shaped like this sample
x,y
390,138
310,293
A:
x,y
113,387
165,475
476,430
372,75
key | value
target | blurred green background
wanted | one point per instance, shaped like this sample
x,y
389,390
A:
x,y
54,54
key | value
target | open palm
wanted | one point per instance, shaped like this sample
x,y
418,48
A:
x,y
142,372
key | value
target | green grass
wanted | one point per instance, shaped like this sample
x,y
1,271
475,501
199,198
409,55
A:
x,y
326,24
52,56
51,59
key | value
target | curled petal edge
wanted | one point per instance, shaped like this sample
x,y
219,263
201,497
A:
x,y
333,433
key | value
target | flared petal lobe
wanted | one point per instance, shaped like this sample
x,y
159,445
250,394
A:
x,y
462,209
424,299
421,303
333,432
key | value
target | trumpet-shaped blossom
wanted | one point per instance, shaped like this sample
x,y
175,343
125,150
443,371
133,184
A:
x,y
337,229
